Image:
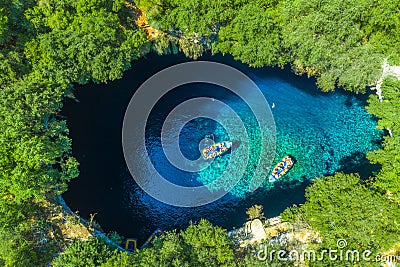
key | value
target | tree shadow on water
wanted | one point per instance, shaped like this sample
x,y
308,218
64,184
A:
x,y
358,163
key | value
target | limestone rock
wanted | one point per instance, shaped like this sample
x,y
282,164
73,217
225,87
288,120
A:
x,y
257,231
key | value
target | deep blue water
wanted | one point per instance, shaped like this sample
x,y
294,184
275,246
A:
x,y
325,132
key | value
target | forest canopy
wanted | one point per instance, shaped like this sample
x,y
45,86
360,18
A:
x,y
343,207
388,112
83,40
341,43
47,46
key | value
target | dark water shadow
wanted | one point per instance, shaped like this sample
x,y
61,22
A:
x,y
304,83
358,163
95,127
274,200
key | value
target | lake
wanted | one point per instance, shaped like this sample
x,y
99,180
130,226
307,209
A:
x,y
325,132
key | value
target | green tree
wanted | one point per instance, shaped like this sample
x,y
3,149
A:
x,y
253,37
44,46
209,244
85,40
121,259
388,112
341,207
326,41
35,150
15,29
192,24
3,26
90,253
199,245
202,17
167,251
379,24
341,43
15,247
255,212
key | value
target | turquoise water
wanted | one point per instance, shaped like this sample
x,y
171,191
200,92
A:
x,y
324,132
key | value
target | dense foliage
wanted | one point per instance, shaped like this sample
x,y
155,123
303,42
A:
x,y
328,41
90,253
341,207
83,40
388,112
200,244
15,229
253,36
342,43
44,47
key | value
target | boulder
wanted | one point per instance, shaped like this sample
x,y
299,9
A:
x,y
257,231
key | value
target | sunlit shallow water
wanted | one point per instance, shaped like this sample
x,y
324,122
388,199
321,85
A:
x,y
324,132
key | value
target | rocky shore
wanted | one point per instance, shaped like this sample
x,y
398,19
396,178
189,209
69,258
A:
x,y
282,235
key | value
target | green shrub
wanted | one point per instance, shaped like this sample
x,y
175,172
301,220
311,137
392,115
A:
x,y
90,253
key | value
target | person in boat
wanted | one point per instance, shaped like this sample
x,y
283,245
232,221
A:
x,y
281,166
